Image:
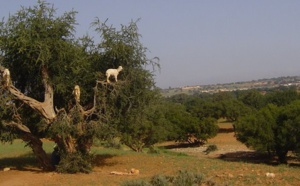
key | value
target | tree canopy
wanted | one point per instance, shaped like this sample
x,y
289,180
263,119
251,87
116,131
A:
x,y
56,87
274,127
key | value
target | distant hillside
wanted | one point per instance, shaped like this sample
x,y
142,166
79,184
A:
x,y
254,84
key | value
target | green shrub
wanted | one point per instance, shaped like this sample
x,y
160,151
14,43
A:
x,y
187,178
112,143
211,148
160,180
74,163
153,150
183,178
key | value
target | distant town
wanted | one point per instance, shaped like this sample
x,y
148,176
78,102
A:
x,y
262,84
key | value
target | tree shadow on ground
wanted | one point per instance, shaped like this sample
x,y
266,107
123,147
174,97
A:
x,y
225,130
26,162
102,160
256,158
181,145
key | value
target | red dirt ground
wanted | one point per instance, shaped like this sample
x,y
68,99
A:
x,y
232,173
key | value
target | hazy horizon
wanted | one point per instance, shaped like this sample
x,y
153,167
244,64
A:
x,y
201,42
245,81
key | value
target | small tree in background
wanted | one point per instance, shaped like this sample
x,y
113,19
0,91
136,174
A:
x,y
256,130
183,126
273,129
287,131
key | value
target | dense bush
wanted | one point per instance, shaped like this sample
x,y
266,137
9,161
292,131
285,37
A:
x,y
74,163
182,178
181,125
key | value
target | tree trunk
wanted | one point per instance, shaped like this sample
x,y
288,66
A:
x,y
282,156
66,144
37,147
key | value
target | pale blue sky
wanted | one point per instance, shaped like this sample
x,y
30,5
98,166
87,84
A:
x,y
201,41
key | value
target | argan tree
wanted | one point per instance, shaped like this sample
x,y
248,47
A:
x,y
52,84
273,128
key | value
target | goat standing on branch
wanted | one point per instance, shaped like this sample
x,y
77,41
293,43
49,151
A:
x,y
113,72
76,93
6,77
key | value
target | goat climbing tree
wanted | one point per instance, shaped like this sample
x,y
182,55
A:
x,y
67,142
47,67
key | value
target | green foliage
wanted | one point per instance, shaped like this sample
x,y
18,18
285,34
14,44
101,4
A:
x,y
252,98
187,178
234,109
208,128
282,97
180,122
211,148
35,41
62,127
128,106
160,180
143,128
218,105
272,129
36,37
7,133
287,133
256,130
74,163
263,122
198,106
190,121
183,178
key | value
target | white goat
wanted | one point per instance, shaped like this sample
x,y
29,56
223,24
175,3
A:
x,y
76,93
6,76
113,72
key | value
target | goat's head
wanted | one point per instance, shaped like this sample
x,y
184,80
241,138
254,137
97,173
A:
x,y
120,68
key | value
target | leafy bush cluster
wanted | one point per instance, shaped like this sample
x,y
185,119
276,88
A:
x,y
183,178
211,148
74,163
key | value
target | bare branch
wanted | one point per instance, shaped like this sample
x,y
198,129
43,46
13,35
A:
x,y
20,126
44,108
40,107
85,112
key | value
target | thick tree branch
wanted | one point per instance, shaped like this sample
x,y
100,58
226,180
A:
x,y
76,93
37,147
48,104
46,108
20,126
